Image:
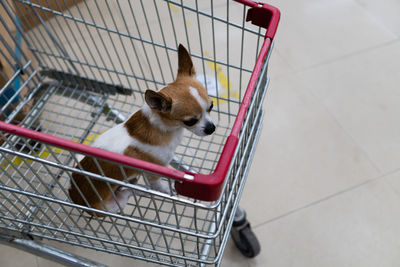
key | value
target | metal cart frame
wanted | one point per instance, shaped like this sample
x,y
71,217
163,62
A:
x,y
84,73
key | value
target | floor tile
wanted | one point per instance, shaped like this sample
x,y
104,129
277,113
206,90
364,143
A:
x,y
278,66
233,257
361,92
12,257
303,155
357,228
313,31
384,12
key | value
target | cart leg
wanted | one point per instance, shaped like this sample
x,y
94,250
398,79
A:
x,y
243,236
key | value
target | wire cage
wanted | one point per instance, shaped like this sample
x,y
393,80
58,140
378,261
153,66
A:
x,y
71,69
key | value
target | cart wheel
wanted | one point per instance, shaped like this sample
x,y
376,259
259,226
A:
x,y
243,237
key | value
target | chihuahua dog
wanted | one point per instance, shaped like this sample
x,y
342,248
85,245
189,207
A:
x,y
151,134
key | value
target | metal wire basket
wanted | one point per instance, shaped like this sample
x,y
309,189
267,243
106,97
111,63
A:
x,y
79,68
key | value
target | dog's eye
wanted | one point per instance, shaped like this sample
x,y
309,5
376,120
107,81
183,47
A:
x,y
191,122
210,108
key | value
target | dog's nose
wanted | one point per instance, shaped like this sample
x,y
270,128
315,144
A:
x,y
210,128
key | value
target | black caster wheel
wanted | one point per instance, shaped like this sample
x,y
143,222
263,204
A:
x,y
243,236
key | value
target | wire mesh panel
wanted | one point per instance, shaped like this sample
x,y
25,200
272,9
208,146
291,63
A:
x,y
85,69
133,45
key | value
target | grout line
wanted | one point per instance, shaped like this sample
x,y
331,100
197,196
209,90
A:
x,y
360,52
351,188
293,71
396,191
351,138
336,121
355,143
37,261
351,54
276,53
375,18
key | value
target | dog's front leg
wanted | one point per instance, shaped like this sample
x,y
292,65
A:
x,y
156,183
121,199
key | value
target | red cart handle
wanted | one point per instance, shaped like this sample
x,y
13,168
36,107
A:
x,y
263,15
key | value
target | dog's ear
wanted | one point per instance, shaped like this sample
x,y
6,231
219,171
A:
x,y
158,101
185,64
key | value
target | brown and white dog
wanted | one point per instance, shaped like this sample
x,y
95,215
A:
x,y
151,134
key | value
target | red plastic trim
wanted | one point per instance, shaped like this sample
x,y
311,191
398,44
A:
x,y
263,15
202,187
88,150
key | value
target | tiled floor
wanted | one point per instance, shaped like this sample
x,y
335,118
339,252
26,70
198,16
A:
x,y
324,187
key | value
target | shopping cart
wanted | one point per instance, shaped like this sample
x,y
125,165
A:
x,y
80,67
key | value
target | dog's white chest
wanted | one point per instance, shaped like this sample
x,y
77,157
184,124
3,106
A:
x,y
117,139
